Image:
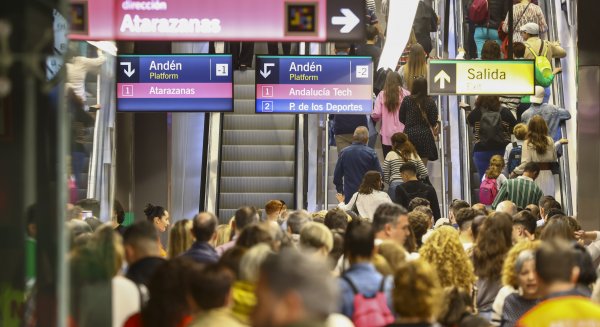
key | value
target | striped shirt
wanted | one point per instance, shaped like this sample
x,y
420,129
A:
x,y
392,163
522,191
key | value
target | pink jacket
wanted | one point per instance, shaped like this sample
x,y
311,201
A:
x,y
390,122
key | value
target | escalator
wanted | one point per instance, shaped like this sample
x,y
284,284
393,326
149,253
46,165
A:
x,y
258,153
471,181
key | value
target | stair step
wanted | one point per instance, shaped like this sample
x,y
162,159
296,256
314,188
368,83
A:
x,y
244,106
257,184
258,122
258,152
243,77
257,168
244,91
285,137
236,200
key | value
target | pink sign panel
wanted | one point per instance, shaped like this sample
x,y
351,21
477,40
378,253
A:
x,y
223,20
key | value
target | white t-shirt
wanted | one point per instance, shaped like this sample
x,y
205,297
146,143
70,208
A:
x,y
125,300
367,203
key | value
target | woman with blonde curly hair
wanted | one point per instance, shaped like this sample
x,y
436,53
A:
x,y
417,294
447,256
511,269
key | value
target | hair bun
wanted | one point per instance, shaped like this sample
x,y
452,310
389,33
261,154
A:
x,y
149,209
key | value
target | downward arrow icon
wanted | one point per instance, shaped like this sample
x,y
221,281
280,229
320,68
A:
x,y
442,77
128,71
265,72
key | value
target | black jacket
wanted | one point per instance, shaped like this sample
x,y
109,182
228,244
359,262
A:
x,y
141,271
407,191
346,124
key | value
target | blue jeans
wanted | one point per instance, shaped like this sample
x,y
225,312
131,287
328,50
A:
x,y
77,161
482,160
483,34
392,190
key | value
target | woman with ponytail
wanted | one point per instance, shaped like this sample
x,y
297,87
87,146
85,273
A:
x,y
387,109
403,151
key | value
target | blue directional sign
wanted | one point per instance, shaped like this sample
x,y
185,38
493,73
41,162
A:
x,y
175,83
314,84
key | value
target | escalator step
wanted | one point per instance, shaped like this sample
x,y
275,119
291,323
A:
x,y
244,91
258,122
258,153
243,107
281,137
257,184
243,77
257,168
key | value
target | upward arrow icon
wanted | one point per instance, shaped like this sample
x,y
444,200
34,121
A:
x,y
442,77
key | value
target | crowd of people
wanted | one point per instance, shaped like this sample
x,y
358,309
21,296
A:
x,y
386,255
531,266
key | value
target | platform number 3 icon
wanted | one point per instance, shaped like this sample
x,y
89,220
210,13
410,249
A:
x,y
362,71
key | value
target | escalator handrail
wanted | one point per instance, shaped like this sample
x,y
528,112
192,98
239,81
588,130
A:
x,y
559,100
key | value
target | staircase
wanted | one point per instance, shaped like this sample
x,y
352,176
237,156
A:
x,y
258,153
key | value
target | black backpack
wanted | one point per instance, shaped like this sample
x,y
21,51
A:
x,y
490,127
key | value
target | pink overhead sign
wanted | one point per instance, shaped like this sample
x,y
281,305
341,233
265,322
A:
x,y
226,20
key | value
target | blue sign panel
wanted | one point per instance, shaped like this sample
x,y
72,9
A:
x,y
314,84
175,83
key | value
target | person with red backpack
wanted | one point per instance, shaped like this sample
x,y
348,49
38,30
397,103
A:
x,y
365,293
487,15
492,180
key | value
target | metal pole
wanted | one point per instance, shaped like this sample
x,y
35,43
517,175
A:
x,y
511,29
465,153
326,165
442,142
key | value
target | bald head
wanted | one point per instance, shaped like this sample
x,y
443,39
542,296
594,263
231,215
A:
x,y
361,134
507,207
204,226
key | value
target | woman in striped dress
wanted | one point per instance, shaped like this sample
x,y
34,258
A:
x,y
402,152
525,11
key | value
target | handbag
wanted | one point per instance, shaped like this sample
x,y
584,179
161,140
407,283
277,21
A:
x,y
354,207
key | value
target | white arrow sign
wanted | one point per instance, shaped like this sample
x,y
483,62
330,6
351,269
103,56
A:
x,y
265,72
349,20
128,71
442,77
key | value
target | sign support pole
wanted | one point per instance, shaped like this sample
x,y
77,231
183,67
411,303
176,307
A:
x,y
511,29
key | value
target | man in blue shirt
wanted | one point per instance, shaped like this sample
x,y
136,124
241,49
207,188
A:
x,y
353,162
204,229
359,247
552,114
